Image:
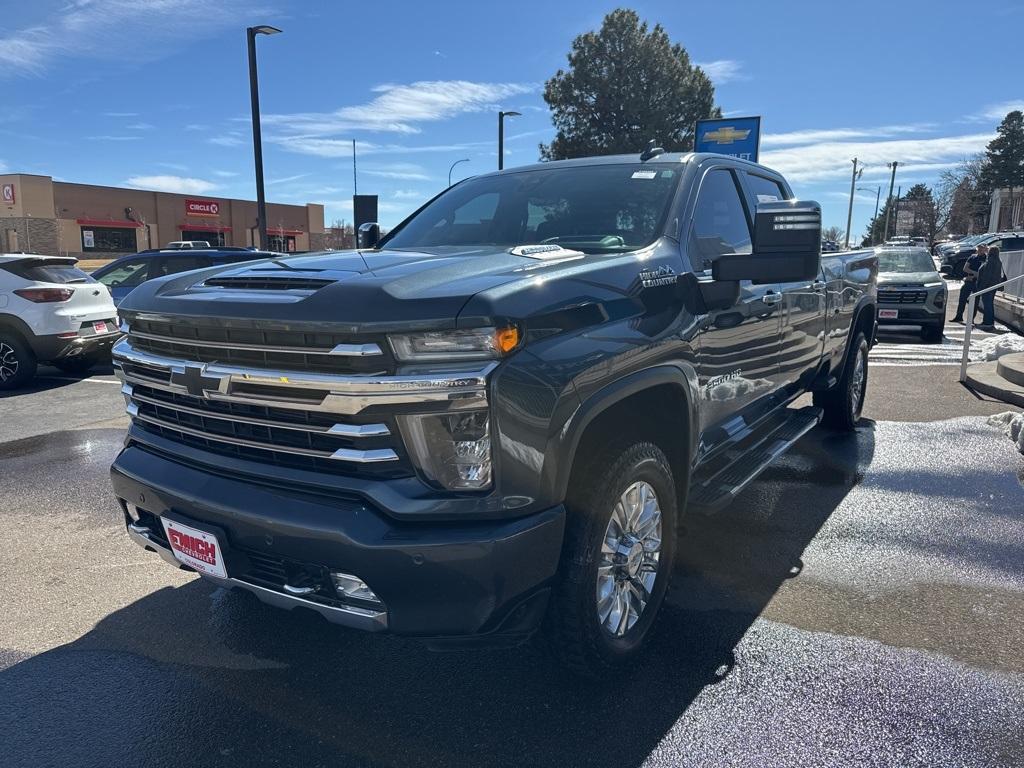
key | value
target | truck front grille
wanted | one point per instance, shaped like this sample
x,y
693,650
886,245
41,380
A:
x,y
902,296
288,350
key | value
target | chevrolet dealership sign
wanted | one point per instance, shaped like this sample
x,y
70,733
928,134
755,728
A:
x,y
736,136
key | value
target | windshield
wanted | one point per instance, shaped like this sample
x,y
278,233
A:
x,y
53,273
905,261
595,209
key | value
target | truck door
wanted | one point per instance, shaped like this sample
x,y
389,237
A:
x,y
803,316
738,347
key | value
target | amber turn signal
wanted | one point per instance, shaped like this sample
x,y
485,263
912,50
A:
x,y
506,339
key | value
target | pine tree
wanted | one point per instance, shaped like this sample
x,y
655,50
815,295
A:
x,y
1004,156
625,86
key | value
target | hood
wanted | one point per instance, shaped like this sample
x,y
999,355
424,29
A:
x,y
363,290
909,278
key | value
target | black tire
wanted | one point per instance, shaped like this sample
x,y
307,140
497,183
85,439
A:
x,y
78,364
843,403
17,361
578,635
932,333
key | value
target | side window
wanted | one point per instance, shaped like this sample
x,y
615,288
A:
x,y
129,273
1013,244
765,190
719,220
174,264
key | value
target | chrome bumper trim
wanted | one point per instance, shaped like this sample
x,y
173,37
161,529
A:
x,y
346,616
344,394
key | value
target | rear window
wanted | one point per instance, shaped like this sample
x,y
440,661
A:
x,y
51,273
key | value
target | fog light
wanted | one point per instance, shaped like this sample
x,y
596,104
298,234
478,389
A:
x,y
451,449
349,586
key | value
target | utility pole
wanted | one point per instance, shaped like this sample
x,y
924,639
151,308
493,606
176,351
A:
x,y
257,139
849,212
878,197
888,203
896,214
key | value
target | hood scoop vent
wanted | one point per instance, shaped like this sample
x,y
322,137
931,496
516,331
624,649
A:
x,y
268,283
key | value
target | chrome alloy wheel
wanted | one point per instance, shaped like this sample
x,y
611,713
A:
x,y
630,555
8,362
857,384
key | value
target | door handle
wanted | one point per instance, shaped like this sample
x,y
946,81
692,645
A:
x,y
772,298
817,285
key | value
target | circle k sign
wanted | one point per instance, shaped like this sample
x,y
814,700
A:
x,y
202,208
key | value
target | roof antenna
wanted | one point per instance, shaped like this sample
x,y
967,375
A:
x,y
651,151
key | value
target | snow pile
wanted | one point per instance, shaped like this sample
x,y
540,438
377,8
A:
x,y
1012,425
994,347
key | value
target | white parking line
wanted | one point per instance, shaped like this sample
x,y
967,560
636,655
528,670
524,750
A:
x,y
71,378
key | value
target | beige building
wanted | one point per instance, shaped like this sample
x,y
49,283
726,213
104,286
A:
x,y
41,215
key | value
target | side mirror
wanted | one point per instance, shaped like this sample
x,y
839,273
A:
x,y
946,270
368,235
786,249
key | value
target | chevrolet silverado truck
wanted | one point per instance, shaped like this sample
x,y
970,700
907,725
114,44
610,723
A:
x,y
495,418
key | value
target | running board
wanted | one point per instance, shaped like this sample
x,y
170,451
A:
x,y
715,487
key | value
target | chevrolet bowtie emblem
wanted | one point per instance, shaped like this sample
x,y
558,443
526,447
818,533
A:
x,y
726,135
195,381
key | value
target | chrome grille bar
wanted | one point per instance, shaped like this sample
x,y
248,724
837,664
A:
x,y
346,350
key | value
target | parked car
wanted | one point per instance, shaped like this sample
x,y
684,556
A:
x,y
127,272
187,245
497,413
51,312
830,246
911,291
953,260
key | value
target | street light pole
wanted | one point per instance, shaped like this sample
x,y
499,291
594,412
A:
x,y
501,136
888,202
463,160
878,197
849,212
257,138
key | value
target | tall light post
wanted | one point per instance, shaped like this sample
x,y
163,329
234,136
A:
x,y
257,137
849,212
501,136
463,160
888,200
878,197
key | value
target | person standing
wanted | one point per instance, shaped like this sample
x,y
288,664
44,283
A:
x,y
990,274
970,280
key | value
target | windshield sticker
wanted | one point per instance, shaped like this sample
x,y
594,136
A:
x,y
645,174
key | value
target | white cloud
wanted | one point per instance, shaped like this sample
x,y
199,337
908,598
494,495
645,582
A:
x,y
831,159
178,184
112,29
225,174
287,179
196,127
113,138
815,135
174,166
325,147
121,114
227,140
405,171
723,70
399,107
408,194
999,111
140,127
3,167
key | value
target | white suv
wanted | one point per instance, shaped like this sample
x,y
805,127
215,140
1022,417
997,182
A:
x,y
51,312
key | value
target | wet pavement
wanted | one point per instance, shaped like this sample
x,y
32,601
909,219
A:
x,y
860,604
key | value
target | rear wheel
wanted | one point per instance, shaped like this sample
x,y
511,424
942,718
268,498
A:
x,y
617,560
844,402
78,364
17,362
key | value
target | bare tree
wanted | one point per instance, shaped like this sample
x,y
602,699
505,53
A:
x,y
835,234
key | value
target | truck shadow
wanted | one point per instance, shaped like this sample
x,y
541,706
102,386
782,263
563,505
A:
x,y
198,676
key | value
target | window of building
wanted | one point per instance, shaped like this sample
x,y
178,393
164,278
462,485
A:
x,y
282,243
720,223
213,238
109,239
765,190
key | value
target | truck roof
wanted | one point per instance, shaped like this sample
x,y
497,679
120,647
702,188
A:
x,y
665,158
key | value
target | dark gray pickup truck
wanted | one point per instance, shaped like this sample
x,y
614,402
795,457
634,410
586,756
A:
x,y
496,417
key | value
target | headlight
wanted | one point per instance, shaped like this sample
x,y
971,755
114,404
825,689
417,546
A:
x,y
452,450
471,344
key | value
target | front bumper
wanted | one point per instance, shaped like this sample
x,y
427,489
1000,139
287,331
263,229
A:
x,y
483,582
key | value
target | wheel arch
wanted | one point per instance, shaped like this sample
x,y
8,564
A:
x,y
659,402
17,325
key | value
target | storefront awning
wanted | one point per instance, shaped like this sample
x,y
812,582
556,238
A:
x,y
205,227
121,223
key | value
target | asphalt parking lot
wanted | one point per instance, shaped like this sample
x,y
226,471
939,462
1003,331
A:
x,y
860,604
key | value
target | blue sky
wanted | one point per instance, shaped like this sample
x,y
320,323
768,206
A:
x,y
153,93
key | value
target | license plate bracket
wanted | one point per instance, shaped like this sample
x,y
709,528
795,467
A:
x,y
888,314
200,550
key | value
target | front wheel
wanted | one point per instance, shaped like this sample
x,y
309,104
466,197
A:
x,y
617,559
844,402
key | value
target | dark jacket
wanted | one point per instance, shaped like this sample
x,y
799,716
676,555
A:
x,y
991,272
